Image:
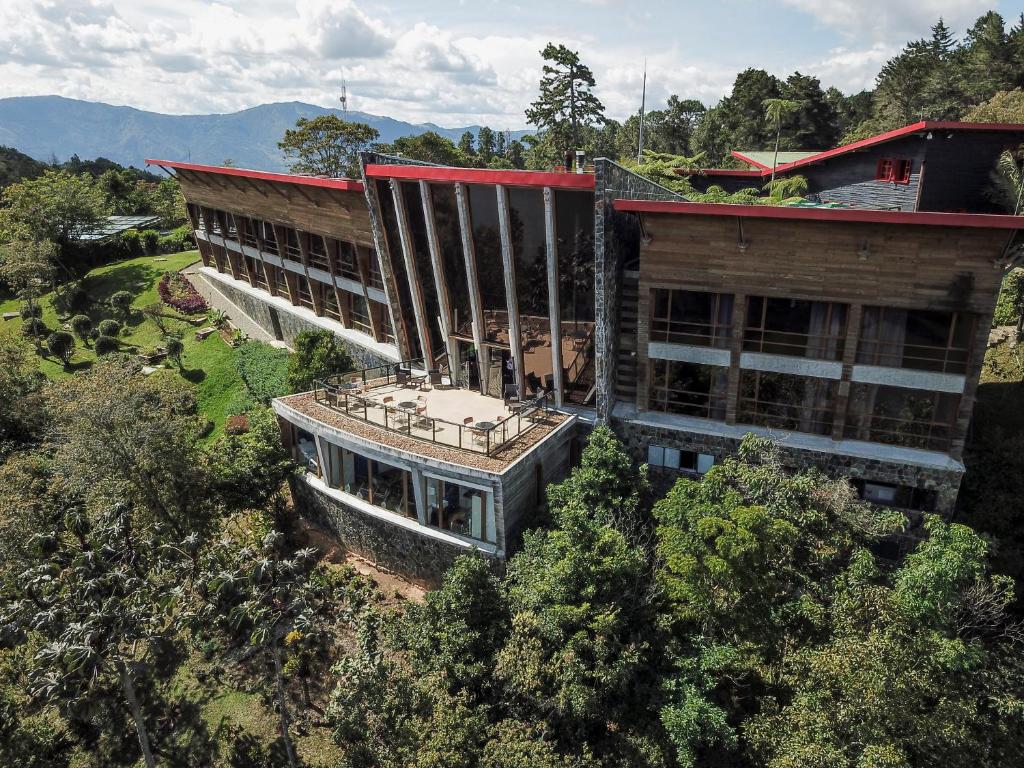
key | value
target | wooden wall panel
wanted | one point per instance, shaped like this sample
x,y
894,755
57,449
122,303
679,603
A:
x,y
332,212
891,265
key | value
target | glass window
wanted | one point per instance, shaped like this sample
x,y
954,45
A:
x,y
331,308
526,219
691,317
453,262
688,388
359,312
377,483
908,417
483,208
918,339
459,508
390,222
782,401
424,266
795,327
574,231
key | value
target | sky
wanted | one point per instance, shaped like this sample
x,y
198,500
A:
x,y
451,62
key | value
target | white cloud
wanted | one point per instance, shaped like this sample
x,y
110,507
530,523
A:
x,y
890,20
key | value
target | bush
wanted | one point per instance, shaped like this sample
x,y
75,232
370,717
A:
x,y
82,326
264,370
240,402
34,311
180,239
61,345
174,349
121,302
73,297
34,327
106,344
150,239
317,354
110,328
1011,299
175,291
131,241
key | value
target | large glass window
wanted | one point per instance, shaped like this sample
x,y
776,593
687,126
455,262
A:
x,y
373,274
360,313
453,262
782,401
458,508
919,339
691,317
318,253
526,216
795,327
377,483
390,221
688,388
483,208
331,308
897,416
305,292
347,265
574,229
424,267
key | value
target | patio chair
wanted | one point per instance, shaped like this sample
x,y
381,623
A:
x,y
434,377
388,399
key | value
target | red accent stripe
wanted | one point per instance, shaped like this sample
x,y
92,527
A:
x,y
978,220
482,176
349,185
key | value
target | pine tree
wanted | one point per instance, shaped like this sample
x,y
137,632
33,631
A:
x,y
466,144
566,104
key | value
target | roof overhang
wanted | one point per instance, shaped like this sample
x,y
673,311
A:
x,y
854,215
348,185
510,178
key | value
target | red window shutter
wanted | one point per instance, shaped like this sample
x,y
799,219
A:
x,y
884,170
903,172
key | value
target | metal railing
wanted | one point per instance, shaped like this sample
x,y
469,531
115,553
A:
x,y
345,393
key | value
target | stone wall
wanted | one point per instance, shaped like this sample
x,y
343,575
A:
x,y
421,559
946,483
274,322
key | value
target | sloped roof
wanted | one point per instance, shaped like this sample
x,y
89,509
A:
x,y
764,160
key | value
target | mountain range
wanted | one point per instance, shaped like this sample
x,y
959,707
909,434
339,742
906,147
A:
x,y
45,127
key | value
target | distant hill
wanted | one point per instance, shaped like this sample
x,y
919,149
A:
x,y
44,127
15,166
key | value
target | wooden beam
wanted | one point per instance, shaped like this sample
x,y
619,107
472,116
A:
x,y
511,299
440,282
363,256
318,303
412,275
340,297
255,186
554,304
469,254
387,273
282,248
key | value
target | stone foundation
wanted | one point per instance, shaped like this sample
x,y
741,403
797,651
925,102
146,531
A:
x,y
421,559
946,483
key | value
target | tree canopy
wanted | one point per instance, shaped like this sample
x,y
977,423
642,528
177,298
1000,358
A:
x,y
326,145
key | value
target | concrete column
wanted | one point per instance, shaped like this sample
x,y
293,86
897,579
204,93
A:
x,y
440,282
469,252
412,274
739,322
554,305
511,299
416,480
331,249
853,319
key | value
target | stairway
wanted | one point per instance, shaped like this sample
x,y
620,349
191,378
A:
x,y
625,368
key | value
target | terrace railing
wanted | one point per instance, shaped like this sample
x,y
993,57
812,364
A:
x,y
338,394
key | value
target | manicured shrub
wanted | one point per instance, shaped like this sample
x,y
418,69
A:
x,y
105,345
131,240
61,345
174,348
175,291
110,328
180,239
72,298
82,326
121,302
34,311
264,370
34,327
150,239
94,334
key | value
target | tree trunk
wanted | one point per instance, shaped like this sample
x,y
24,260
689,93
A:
x,y
283,706
140,724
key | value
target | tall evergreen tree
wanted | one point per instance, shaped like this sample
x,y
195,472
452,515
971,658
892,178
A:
x,y
566,104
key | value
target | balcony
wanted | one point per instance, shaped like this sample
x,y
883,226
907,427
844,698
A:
x,y
392,403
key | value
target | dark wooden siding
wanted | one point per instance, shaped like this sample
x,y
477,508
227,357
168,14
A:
x,y
958,170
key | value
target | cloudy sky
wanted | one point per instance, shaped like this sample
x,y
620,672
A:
x,y
452,62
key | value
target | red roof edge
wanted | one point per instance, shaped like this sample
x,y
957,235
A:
x,y
348,185
482,176
740,156
971,220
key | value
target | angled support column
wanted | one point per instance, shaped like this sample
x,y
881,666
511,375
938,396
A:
x,y
469,252
511,300
314,292
419,307
554,308
853,319
362,257
242,228
443,300
331,249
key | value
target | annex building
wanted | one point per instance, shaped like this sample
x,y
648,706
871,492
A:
x,y
498,315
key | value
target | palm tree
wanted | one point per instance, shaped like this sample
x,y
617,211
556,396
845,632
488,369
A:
x,y
776,110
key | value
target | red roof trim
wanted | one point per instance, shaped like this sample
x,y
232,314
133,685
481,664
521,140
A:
x,y
482,176
740,156
982,220
924,125
348,185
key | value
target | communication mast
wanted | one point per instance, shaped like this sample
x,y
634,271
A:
x,y
344,97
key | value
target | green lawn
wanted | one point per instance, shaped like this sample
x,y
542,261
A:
x,y
210,364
